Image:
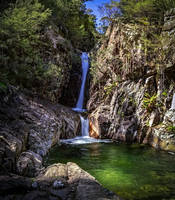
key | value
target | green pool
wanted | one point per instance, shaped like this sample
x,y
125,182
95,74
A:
x,y
132,171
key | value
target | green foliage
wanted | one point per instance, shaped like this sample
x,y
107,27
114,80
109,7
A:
x,y
144,11
165,94
149,102
164,5
53,71
109,88
138,9
154,47
3,86
27,57
170,129
75,22
19,40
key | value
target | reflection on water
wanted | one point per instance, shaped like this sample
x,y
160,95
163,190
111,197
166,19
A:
x,y
133,171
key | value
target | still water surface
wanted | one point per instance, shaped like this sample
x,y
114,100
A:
x,y
134,172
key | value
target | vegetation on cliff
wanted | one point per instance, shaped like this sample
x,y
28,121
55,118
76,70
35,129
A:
x,y
151,34
37,38
145,11
133,74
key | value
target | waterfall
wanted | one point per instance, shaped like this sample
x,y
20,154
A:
x,y
173,103
85,67
84,138
79,105
84,127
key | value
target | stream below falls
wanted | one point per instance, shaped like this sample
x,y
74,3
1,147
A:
x,y
134,172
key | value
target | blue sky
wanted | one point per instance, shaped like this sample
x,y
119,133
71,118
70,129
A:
x,y
94,6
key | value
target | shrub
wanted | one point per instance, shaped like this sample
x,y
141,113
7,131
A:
x,y
149,102
170,129
20,43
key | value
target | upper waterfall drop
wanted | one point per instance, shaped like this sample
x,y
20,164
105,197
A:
x,y
85,68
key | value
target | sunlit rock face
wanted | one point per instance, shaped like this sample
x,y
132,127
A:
x,y
94,130
32,126
130,100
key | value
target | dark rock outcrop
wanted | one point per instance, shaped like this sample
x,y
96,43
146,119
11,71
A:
x,y
71,91
31,126
58,181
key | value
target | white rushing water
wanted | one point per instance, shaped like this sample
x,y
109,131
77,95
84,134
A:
x,y
84,138
173,103
85,68
84,126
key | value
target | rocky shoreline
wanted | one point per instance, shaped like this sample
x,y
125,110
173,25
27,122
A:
x,y
58,181
29,127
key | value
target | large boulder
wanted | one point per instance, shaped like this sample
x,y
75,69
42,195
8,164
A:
x,y
58,181
29,163
31,124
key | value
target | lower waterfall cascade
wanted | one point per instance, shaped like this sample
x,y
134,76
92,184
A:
x,y
84,126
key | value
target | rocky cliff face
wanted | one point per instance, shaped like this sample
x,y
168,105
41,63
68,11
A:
x,y
29,127
132,91
61,73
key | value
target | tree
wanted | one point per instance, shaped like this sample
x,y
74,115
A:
x,y
22,32
20,27
109,12
151,11
75,22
